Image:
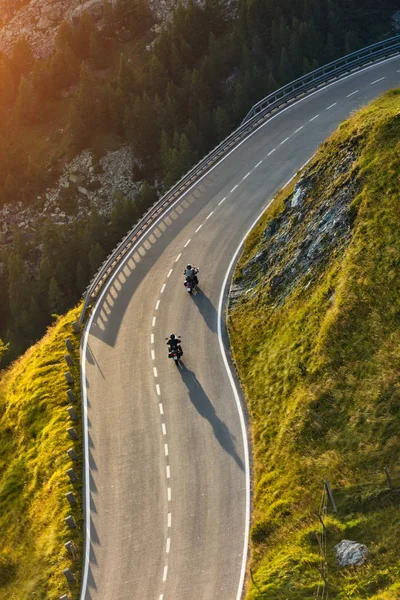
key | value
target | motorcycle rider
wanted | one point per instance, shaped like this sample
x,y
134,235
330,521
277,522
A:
x,y
191,274
174,343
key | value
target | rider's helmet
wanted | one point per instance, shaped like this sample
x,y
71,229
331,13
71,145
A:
x,y
172,336
189,266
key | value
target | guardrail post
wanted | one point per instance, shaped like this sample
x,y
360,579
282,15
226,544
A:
x,y
68,360
69,345
68,378
76,328
71,396
70,521
72,454
71,499
72,475
70,547
72,433
70,577
72,413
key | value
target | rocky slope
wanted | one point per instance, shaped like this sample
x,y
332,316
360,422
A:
x,y
38,20
85,182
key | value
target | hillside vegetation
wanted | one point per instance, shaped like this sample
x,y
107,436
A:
x,y
33,465
317,347
170,96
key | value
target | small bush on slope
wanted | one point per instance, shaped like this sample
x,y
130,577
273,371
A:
x,y
33,464
322,381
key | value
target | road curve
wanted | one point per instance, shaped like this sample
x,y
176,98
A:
x,y
167,468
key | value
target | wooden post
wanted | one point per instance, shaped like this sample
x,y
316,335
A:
x,y
329,492
389,480
322,523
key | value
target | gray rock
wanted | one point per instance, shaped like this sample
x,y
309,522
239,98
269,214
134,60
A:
x,y
351,553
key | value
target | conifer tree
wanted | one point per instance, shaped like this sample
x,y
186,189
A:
x,y
223,125
57,300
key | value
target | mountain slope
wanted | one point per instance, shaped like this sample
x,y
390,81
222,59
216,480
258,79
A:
x,y
314,322
33,471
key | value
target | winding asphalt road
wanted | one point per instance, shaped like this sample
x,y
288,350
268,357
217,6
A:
x,y
169,471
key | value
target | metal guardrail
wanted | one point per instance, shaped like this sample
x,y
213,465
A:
x,y
259,112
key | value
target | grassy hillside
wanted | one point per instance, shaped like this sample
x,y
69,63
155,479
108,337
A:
x,y
33,465
319,362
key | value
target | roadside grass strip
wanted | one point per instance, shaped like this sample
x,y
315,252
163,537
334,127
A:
x,y
33,469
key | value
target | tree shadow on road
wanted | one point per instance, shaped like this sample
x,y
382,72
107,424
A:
x,y
202,404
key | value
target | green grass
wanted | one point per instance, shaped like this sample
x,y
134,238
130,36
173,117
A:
x,y
33,464
322,380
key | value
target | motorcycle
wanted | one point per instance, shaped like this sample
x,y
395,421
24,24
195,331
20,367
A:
x,y
190,284
175,353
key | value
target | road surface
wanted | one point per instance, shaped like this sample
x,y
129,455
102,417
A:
x,y
169,485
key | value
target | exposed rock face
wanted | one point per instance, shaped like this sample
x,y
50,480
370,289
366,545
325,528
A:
x,y
82,186
38,20
302,237
349,553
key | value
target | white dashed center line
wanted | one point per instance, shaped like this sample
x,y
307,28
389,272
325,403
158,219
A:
x,y
155,372
153,355
211,213
331,106
168,548
163,288
377,81
178,257
168,471
169,520
170,271
161,409
258,164
166,449
164,578
158,390
161,597
187,243
152,338
246,176
221,201
164,429
299,129
271,152
153,321
313,119
284,141
352,93
169,494
157,304
234,188
199,227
